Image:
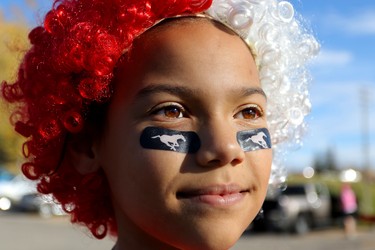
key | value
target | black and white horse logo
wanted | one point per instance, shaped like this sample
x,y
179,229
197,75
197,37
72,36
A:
x,y
254,139
170,140
259,139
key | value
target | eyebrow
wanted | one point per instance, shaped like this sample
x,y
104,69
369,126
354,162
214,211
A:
x,y
165,88
252,91
184,91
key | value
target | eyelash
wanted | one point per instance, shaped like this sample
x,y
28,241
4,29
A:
x,y
163,110
256,112
253,110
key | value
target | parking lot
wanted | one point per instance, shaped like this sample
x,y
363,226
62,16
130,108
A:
x,y
25,231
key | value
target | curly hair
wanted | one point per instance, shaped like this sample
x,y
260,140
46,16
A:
x,y
69,69
64,83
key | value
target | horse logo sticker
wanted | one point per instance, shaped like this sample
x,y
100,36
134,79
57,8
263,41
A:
x,y
256,139
170,140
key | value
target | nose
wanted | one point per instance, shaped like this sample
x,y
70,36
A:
x,y
219,146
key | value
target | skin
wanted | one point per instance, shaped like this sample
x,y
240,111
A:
x,y
189,76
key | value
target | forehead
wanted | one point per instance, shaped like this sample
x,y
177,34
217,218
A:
x,y
185,22
195,22
192,27
184,51
187,38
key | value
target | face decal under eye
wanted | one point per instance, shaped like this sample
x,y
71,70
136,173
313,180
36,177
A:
x,y
254,139
170,140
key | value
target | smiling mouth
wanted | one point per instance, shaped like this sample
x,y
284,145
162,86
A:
x,y
215,195
187,195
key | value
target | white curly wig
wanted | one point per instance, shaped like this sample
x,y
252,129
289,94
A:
x,y
282,46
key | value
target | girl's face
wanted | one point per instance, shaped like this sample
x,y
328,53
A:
x,y
190,75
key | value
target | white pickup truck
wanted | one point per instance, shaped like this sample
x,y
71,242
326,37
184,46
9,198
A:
x,y
296,209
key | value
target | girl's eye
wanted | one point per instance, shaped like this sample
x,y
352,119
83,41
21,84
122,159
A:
x,y
170,111
252,112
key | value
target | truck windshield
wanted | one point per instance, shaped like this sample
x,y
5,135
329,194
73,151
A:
x,y
294,190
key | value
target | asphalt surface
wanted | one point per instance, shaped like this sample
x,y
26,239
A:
x,y
29,232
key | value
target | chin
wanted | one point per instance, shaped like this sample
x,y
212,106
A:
x,y
218,236
214,242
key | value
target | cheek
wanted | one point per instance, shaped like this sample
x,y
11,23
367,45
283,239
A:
x,y
158,167
261,162
131,167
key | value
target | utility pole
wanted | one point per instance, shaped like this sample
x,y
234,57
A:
x,y
367,194
364,98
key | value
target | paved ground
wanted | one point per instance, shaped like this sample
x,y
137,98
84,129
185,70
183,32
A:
x,y
25,232
324,239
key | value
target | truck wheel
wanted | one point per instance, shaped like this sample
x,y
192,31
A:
x,y
45,211
301,225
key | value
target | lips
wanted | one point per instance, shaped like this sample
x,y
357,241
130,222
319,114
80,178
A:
x,y
217,195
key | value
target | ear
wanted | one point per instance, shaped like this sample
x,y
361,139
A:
x,y
82,153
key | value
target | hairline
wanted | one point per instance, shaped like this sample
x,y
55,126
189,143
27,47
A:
x,y
153,31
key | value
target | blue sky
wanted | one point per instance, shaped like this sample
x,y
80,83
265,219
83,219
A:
x,y
344,68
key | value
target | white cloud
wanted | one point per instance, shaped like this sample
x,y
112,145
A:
x,y
326,94
363,24
333,58
360,24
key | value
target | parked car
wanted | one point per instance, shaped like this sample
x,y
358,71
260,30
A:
x,y
12,191
44,205
296,209
20,194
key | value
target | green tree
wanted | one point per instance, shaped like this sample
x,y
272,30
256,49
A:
x,y
330,160
325,162
13,44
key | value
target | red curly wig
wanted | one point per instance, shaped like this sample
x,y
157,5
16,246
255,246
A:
x,y
64,79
